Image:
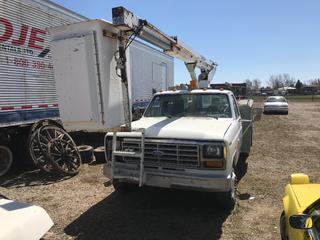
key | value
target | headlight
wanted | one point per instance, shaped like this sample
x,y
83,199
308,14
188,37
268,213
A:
x,y
212,151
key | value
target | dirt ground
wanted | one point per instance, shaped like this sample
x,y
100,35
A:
x,y
82,208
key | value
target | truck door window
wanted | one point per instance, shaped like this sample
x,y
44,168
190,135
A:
x,y
235,107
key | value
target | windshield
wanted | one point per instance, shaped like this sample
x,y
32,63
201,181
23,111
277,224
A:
x,y
197,105
276,99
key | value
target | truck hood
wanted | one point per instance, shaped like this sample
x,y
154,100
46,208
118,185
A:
x,y
184,127
22,220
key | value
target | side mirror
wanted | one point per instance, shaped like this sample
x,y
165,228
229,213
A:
x,y
302,221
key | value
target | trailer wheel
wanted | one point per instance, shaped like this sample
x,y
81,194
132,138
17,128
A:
x,y
60,149
6,160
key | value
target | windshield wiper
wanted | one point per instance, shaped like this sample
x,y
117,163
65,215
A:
x,y
174,115
214,117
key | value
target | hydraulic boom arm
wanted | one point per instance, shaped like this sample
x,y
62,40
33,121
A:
x,y
131,26
128,22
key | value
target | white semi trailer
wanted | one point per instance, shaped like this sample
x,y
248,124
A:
x,y
27,86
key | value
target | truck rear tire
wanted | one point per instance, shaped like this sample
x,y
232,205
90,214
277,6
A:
x,y
6,160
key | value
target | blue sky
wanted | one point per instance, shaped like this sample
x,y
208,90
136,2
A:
x,y
248,38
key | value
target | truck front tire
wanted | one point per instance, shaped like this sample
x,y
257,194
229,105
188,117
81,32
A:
x,y
283,230
123,187
229,198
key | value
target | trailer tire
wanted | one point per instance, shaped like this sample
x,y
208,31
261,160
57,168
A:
x,y
6,159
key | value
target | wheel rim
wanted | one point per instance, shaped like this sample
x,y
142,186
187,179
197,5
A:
x,y
36,154
5,160
44,122
60,150
64,156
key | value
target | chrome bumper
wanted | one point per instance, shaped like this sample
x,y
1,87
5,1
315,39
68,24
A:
x,y
191,179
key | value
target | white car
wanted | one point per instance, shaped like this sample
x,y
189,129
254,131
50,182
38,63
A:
x,y
277,104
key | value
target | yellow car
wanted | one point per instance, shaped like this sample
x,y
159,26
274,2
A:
x,y
300,219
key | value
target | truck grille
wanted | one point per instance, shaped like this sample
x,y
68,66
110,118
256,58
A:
x,y
164,154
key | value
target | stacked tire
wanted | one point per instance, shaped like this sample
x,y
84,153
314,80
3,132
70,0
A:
x,y
86,153
99,154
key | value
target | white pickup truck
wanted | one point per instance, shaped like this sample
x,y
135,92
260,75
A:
x,y
193,140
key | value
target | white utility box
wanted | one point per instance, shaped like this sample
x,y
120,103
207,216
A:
x,y
88,88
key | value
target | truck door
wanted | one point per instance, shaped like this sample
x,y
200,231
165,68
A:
x,y
239,126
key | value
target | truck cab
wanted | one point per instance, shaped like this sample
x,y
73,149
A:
x,y
192,140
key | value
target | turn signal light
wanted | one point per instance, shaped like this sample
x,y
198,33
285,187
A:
x,y
213,164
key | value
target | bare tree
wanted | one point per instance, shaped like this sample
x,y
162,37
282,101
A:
x,y
256,83
288,81
275,82
315,82
249,83
281,80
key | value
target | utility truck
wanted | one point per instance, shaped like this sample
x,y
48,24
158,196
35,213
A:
x,y
188,138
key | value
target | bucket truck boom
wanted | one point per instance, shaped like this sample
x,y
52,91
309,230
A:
x,y
129,23
131,26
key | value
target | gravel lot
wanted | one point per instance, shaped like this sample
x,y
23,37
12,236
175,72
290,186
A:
x,y
82,208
